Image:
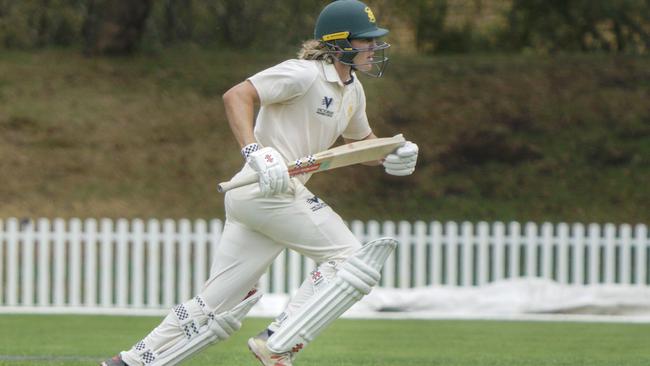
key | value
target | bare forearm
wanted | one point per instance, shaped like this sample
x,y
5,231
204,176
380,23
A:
x,y
239,103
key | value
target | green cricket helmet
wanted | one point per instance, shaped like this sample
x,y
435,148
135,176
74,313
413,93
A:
x,y
344,20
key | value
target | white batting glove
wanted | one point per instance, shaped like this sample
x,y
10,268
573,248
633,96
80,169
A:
x,y
272,170
402,161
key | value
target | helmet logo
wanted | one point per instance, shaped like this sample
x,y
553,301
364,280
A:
x,y
335,36
371,16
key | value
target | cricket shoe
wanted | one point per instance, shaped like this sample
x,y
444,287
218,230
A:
x,y
257,345
114,361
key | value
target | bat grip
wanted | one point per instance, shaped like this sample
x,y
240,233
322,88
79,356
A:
x,y
245,180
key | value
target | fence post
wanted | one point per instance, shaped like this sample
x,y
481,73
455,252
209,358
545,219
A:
x,y
610,250
122,258
200,255
483,242
169,263
467,240
60,238
90,262
404,249
641,242
137,255
531,250
436,259
420,254
499,250
43,262
27,283
578,254
624,266
12,262
451,239
547,251
514,244
562,253
74,263
153,263
594,254
107,263
184,270
388,229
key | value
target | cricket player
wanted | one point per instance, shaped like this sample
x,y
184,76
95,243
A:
x,y
305,105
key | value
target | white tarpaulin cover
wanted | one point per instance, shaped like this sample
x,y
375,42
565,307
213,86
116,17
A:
x,y
521,298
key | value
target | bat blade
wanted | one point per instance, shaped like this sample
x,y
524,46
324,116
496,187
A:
x,y
344,155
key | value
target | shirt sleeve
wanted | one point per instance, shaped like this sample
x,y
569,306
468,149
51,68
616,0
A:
x,y
358,128
284,82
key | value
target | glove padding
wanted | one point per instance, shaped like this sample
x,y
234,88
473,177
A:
x,y
272,170
402,161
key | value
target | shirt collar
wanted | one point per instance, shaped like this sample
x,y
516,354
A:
x,y
332,75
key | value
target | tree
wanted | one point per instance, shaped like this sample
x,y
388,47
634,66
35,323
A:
x,y
579,25
427,18
114,26
179,20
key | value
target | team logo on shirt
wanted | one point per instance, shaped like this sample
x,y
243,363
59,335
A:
x,y
315,203
326,102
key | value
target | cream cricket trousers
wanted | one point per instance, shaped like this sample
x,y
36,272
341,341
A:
x,y
256,230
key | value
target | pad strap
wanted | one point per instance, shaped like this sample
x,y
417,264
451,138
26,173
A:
x,y
145,353
187,323
219,327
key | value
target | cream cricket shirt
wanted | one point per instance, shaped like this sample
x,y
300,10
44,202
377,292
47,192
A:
x,y
305,107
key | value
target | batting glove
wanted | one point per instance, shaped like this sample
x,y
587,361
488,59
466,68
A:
x,y
272,170
402,161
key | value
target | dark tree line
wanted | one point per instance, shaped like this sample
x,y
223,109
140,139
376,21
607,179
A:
x,y
609,25
124,26
114,27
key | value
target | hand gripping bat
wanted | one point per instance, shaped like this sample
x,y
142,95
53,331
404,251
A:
x,y
353,153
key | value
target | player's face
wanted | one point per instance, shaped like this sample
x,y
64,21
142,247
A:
x,y
363,59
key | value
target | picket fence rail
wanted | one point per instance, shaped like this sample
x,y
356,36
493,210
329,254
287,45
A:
x,y
157,263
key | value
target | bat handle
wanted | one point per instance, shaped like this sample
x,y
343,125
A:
x,y
245,180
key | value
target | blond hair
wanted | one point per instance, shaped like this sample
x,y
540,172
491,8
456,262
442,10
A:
x,y
315,50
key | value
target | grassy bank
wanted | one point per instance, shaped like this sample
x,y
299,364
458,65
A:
x,y
565,138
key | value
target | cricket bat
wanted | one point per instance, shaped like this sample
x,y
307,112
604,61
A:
x,y
349,154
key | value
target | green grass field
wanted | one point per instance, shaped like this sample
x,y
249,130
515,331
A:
x,y
83,340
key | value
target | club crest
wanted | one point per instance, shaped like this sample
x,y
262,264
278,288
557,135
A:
x,y
325,105
371,16
315,203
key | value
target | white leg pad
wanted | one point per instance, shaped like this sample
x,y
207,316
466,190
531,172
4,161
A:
x,y
219,327
356,277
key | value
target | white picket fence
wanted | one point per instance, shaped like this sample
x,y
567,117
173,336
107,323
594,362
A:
x,y
158,263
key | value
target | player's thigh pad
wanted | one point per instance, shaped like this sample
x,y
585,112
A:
x,y
218,328
354,279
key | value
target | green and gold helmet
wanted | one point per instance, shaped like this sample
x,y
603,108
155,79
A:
x,y
345,20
